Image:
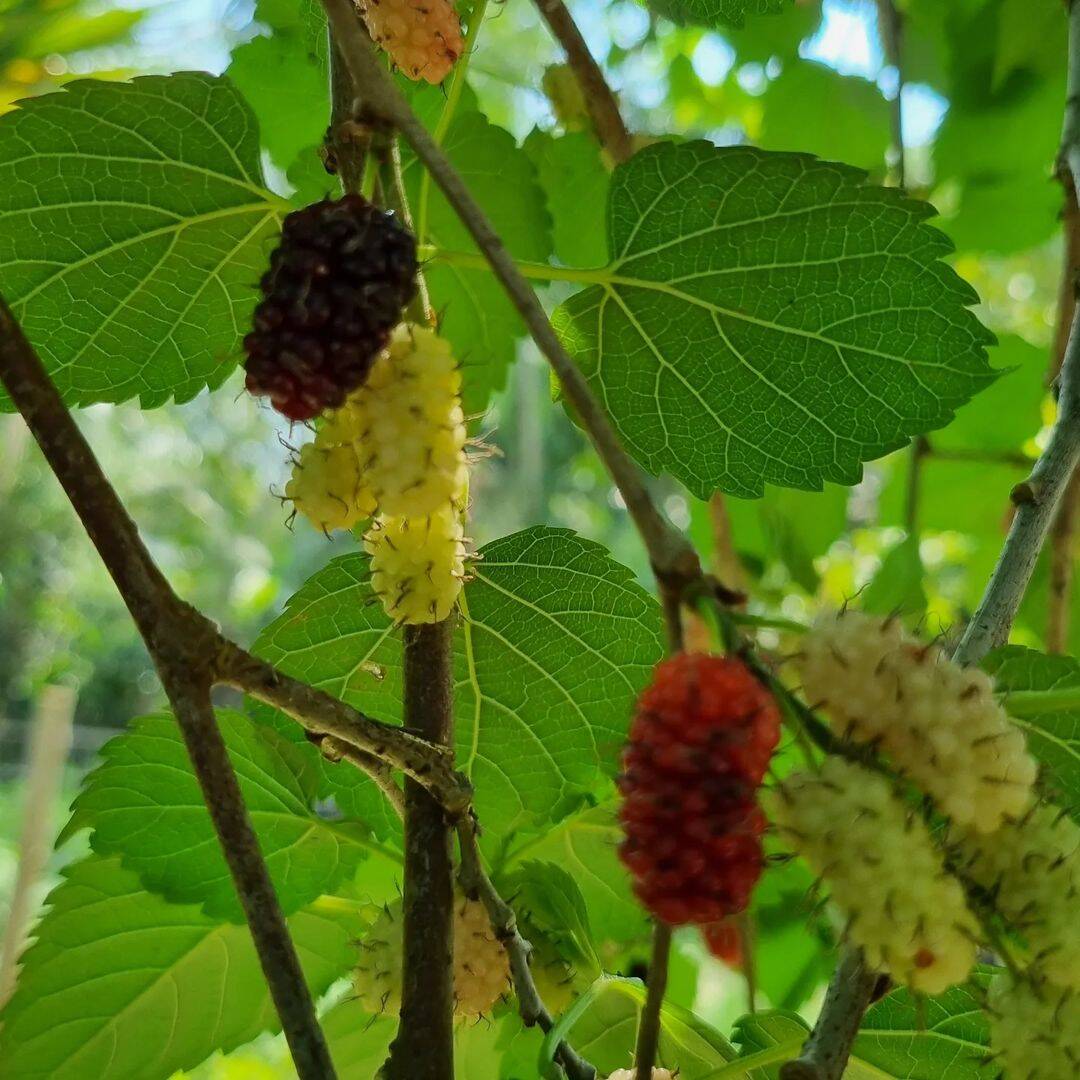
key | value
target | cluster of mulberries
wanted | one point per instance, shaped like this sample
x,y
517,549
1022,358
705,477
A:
x,y
422,37
335,289
938,723
1030,870
396,450
907,913
1034,1029
481,967
699,745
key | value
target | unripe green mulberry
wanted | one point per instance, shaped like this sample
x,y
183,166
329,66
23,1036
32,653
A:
x,y
327,487
417,565
414,430
481,967
1031,869
883,871
938,722
1034,1029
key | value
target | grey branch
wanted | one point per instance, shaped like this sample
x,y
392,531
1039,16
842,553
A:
x,y
1037,497
476,883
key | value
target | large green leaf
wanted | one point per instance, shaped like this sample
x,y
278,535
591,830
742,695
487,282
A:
x,y
134,225
602,1027
770,318
767,1039
143,803
926,1039
555,641
474,312
120,985
1043,697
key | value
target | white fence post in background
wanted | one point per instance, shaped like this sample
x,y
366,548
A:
x,y
50,742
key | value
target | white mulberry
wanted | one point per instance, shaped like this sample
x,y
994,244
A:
x,y
422,37
1031,869
630,1074
1034,1029
413,428
481,967
938,722
882,869
327,487
417,565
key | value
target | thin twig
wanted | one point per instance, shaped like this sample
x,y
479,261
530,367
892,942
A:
x,y
423,1048
1063,532
335,750
673,558
347,142
600,99
1037,497
476,883
648,1035
323,714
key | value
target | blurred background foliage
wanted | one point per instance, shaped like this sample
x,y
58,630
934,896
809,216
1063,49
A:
x,y
984,87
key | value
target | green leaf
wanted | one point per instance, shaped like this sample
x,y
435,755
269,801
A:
x,y
897,587
287,92
857,130
551,898
770,318
934,1037
768,1039
1024,27
716,12
575,181
143,803
586,844
602,1027
475,314
120,985
554,643
134,225
999,154
1043,697
358,1041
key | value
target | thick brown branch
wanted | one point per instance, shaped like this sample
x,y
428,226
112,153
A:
x,y
277,954
600,99
673,558
424,1046
182,644
476,883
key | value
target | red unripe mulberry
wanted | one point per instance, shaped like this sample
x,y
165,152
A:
x,y
699,745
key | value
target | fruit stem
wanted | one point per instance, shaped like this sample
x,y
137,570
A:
x,y
648,1036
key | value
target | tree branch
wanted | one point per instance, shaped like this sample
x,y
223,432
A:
x,y
1037,497
424,1046
600,100
1063,532
182,644
673,558
476,883
648,1036
826,1052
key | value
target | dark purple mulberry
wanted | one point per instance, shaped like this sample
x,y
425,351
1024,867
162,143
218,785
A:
x,y
335,289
